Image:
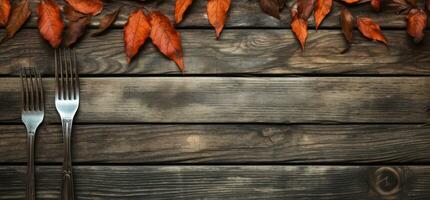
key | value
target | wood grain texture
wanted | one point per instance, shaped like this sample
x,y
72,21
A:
x,y
247,52
226,182
237,100
245,13
224,144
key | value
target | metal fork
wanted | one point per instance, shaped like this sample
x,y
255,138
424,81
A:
x,y
32,113
67,103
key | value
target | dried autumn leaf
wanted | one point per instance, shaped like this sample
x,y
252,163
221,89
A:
x,y
271,7
417,22
89,7
106,22
428,5
50,22
322,8
347,23
304,8
71,14
76,30
180,8
217,14
4,12
136,31
166,38
19,15
351,1
376,5
370,29
299,26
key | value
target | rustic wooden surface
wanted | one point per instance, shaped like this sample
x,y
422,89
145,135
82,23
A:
x,y
233,144
253,117
227,182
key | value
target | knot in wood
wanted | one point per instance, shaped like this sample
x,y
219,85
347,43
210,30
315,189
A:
x,y
386,181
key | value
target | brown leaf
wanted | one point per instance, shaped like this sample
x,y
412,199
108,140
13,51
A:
x,y
136,31
106,22
304,8
282,4
180,8
347,23
370,29
166,38
417,22
4,12
217,14
19,15
71,14
76,30
50,22
322,8
299,26
376,5
89,7
428,5
270,7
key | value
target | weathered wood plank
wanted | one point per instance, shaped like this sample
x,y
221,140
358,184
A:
x,y
246,13
239,52
225,182
224,144
238,100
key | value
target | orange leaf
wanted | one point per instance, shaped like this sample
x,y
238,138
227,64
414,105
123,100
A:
x,y
217,14
180,8
370,29
50,22
417,21
166,38
322,8
89,7
299,26
136,31
106,22
4,12
19,15
351,1
376,5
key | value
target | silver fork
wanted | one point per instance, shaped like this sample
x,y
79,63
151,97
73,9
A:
x,y
32,113
67,103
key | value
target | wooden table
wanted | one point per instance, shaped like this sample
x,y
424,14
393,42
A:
x,y
253,117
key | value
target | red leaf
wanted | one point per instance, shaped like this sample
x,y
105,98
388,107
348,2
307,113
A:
x,y
19,15
299,26
417,22
4,12
76,30
376,5
106,22
166,38
89,7
271,7
370,29
322,8
50,22
304,8
217,14
136,31
180,8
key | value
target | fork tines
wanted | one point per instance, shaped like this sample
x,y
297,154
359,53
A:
x,y
66,75
32,91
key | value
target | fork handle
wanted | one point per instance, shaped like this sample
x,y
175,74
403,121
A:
x,y
67,192
30,189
